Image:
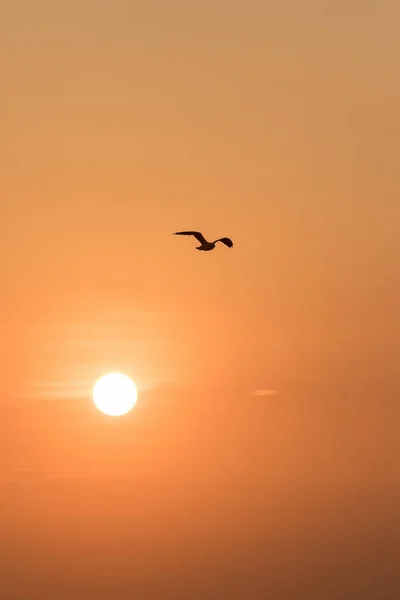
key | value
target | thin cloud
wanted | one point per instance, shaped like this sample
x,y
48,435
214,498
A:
x,y
266,393
60,390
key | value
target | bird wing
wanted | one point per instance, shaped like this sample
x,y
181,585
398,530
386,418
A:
x,y
227,241
199,236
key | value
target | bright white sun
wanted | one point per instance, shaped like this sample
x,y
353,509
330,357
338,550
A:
x,y
115,394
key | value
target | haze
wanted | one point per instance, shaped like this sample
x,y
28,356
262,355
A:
x,y
263,458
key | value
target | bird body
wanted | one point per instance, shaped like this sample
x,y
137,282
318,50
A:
x,y
205,246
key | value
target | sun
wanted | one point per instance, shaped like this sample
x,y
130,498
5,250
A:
x,y
115,394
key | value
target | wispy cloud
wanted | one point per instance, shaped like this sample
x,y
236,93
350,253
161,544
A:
x,y
60,389
266,393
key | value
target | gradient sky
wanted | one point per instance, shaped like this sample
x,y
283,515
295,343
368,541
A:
x,y
278,124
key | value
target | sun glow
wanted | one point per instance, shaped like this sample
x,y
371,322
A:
x,y
114,394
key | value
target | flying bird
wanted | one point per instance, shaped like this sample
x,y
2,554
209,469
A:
x,y
206,246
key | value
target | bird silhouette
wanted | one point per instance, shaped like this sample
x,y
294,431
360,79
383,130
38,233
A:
x,y
205,245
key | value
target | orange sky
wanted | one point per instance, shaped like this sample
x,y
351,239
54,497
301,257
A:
x,y
276,123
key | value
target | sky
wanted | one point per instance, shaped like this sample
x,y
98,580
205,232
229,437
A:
x,y
263,457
